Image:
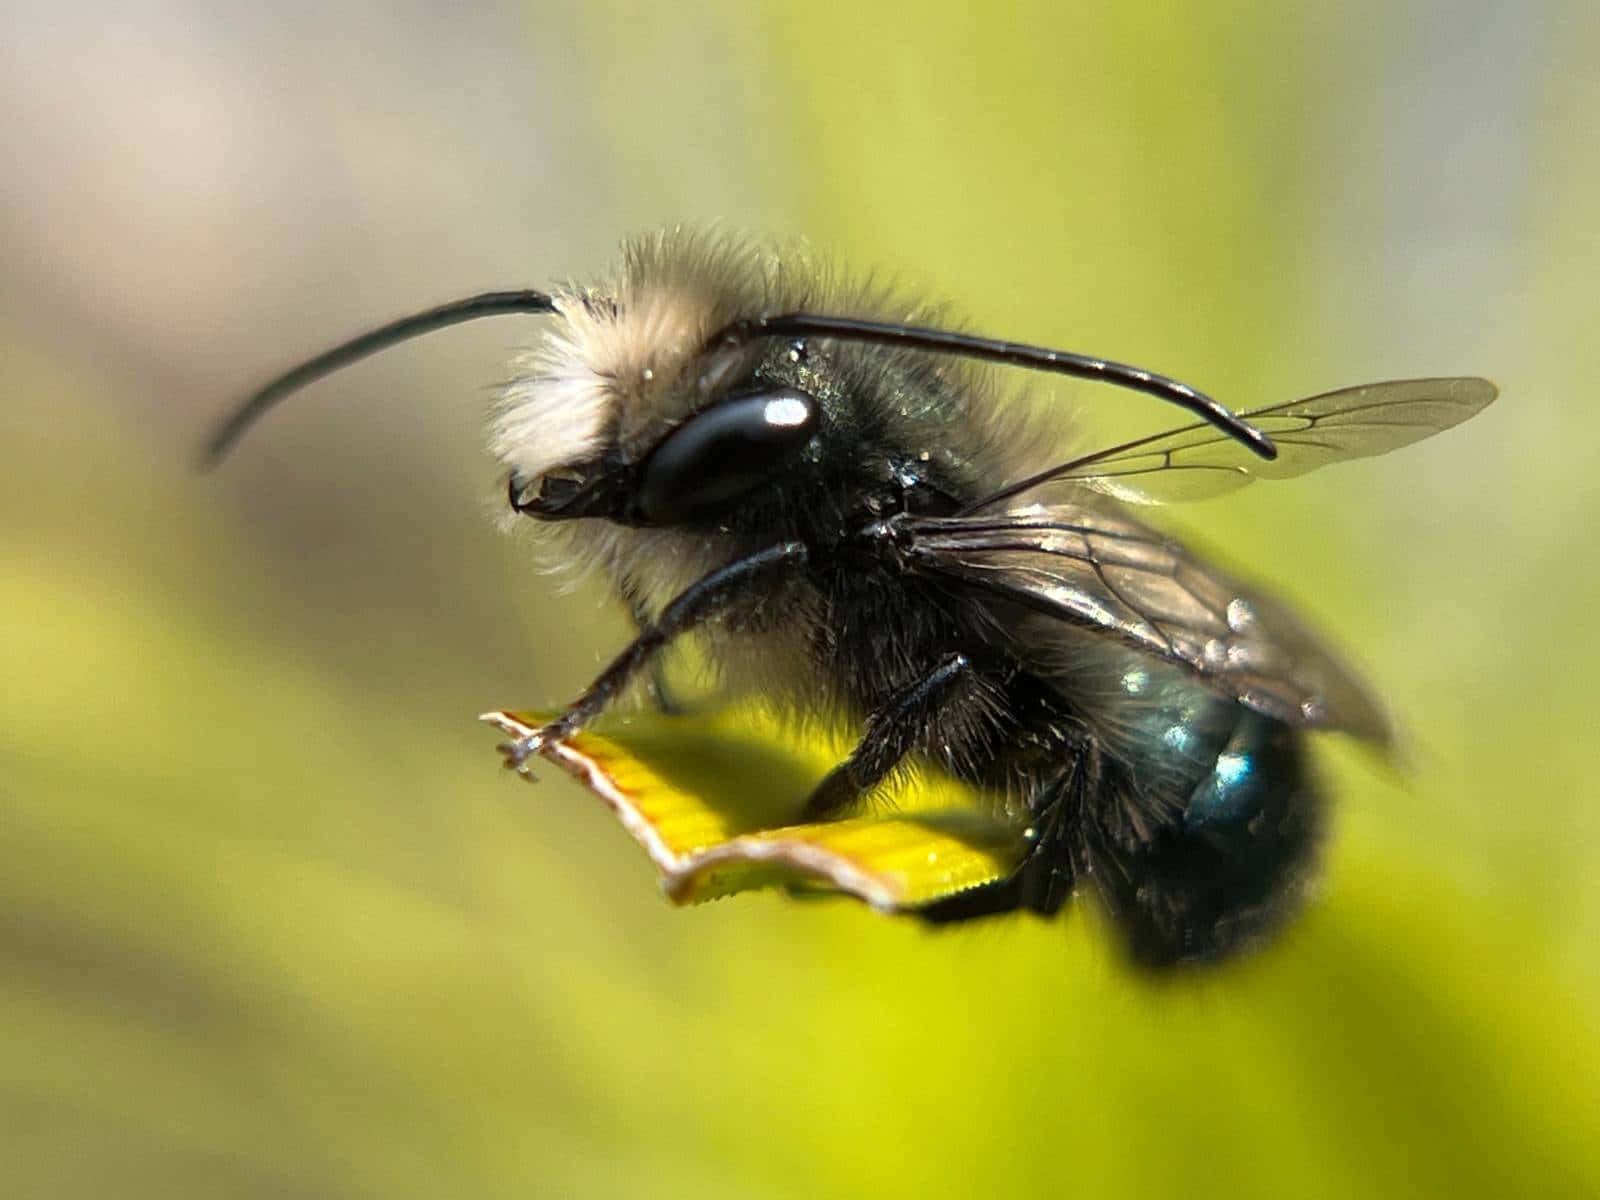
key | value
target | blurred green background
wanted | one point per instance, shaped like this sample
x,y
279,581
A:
x,y
273,922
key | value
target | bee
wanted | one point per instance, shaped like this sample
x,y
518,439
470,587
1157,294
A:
x,y
838,495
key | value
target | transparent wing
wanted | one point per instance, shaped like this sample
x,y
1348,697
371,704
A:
x,y
1105,571
1198,461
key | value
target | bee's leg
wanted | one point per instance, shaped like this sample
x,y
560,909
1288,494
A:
x,y
698,602
1049,871
1043,881
990,900
661,697
892,733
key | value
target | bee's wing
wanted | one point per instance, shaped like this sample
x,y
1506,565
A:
x,y
1100,569
1198,460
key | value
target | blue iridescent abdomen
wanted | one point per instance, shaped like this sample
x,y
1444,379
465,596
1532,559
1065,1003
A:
x,y
1209,818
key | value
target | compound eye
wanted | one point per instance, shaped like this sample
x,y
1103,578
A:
x,y
718,455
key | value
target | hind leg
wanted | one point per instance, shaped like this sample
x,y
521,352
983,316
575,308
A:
x,y
1044,880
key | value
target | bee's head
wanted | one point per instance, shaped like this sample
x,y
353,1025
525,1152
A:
x,y
696,470
631,411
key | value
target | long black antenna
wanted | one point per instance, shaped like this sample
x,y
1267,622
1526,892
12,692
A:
x,y
490,304
1016,354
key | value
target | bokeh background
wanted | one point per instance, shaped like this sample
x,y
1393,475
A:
x,y
273,922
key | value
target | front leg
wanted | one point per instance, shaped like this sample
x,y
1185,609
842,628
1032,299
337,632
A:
x,y
701,600
893,731
660,694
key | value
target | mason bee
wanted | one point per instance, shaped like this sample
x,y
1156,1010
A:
x,y
836,494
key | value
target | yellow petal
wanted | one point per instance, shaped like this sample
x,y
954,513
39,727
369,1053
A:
x,y
712,799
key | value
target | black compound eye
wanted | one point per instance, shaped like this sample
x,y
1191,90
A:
x,y
722,453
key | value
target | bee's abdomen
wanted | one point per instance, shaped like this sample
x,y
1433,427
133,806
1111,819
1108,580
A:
x,y
1202,836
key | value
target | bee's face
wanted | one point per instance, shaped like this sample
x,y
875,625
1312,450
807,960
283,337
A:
x,y
627,414
694,470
